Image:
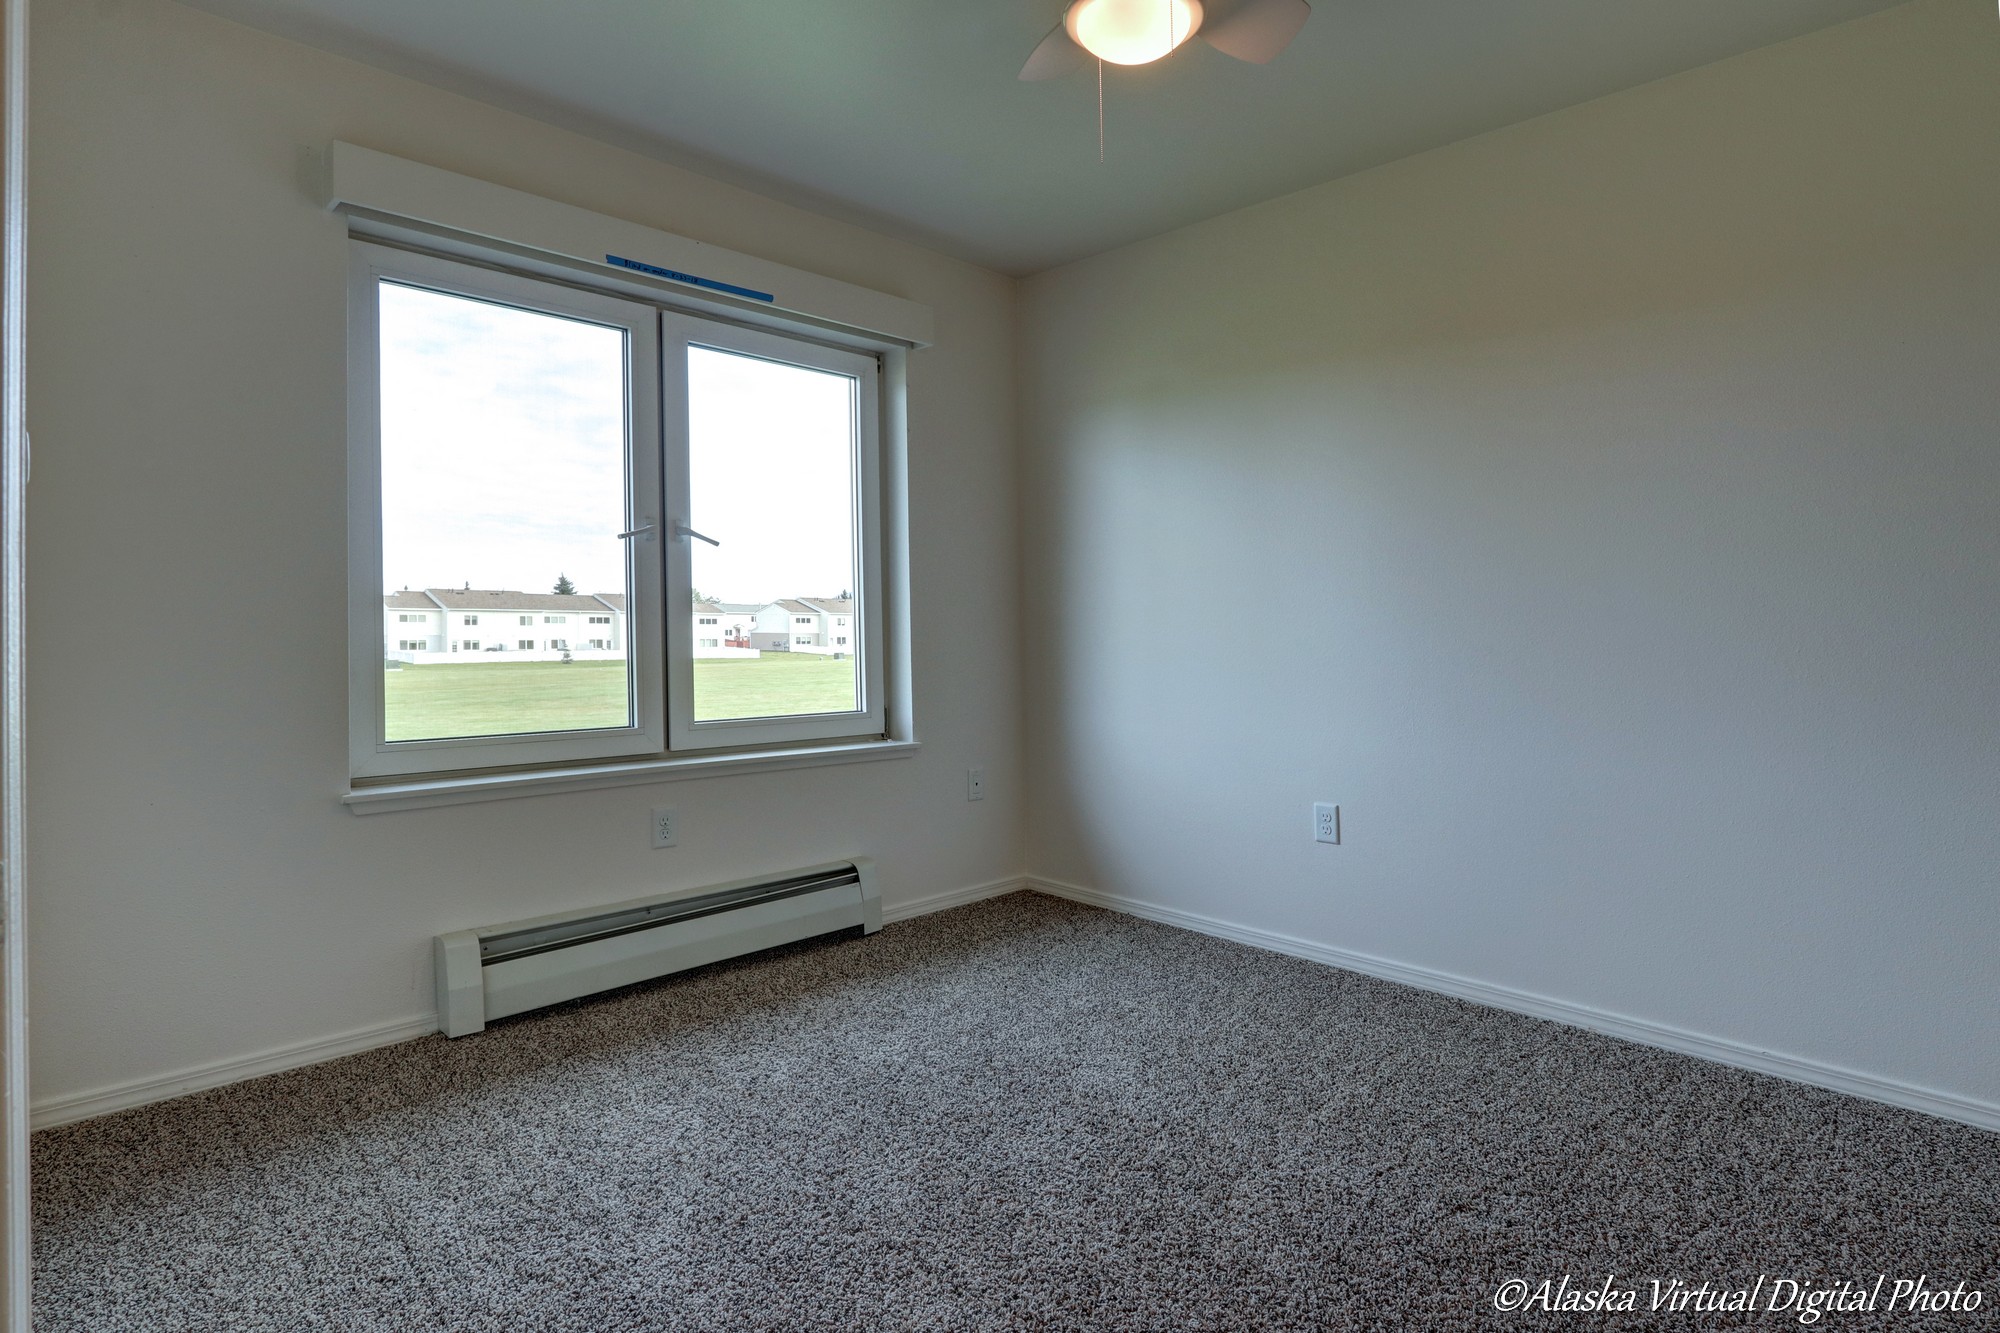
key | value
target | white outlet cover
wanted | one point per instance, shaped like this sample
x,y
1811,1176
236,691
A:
x,y
666,828
1326,822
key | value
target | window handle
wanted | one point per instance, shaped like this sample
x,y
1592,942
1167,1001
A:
x,y
642,528
683,530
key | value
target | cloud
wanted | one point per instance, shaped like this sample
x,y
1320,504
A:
x,y
503,457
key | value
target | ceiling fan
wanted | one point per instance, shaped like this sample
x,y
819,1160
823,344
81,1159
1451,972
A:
x,y
1138,32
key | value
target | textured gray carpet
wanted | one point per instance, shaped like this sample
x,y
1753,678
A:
x,y
1021,1114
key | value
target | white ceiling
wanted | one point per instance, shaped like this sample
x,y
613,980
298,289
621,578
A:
x,y
906,114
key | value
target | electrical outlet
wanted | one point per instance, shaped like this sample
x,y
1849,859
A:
x,y
1326,823
975,784
666,828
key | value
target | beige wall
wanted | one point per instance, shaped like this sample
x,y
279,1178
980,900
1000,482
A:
x,y
199,894
1633,471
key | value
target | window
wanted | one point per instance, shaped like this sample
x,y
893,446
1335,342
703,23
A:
x,y
802,620
419,618
520,401
777,458
410,645
558,420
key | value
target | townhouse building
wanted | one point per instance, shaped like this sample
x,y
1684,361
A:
x,y
822,625
459,625
433,625
723,629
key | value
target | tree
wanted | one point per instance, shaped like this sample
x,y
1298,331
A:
x,y
564,588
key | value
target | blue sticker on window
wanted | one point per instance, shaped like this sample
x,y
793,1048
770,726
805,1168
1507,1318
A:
x,y
689,278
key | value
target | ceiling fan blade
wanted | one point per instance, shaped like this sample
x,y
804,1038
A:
x,y
1055,57
1257,30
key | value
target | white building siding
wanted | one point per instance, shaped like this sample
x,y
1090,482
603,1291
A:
x,y
502,635
714,629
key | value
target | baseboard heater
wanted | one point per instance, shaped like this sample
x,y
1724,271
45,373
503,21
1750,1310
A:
x,y
521,965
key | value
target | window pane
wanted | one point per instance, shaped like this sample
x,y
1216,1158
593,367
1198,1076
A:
x,y
503,491
771,473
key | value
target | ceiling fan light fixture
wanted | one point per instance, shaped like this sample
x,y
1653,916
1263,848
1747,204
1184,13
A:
x,y
1132,32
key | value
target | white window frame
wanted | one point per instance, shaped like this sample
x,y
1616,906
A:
x,y
665,742
370,755
678,333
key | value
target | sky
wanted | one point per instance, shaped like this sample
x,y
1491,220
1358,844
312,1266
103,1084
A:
x,y
503,457
771,477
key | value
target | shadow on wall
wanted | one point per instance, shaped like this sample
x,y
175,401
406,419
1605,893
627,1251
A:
x,y
1603,510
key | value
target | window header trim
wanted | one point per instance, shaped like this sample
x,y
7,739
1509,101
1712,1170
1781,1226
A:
x,y
378,183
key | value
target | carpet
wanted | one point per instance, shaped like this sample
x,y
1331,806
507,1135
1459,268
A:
x,y
1022,1114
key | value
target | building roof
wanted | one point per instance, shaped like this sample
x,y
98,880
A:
x,y
741,608
838,606
499,600
614,600
708,608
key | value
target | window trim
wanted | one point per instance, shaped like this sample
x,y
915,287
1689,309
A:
x,y
385,195
404,239
424,791
370,755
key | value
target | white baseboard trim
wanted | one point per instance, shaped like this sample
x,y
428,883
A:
x,y
199,1078
1949,1106
140,1092
939,902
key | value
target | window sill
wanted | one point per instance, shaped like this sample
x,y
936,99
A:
x,y
422,793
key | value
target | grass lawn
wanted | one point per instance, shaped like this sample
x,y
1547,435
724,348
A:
x,y
773,685
499,698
